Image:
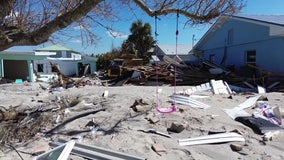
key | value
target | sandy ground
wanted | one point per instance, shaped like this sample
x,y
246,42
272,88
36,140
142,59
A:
x,y
119,124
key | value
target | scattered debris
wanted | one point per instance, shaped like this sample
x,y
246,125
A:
x,y
269,135
26,123
105,94
259,125
239,149
59,153
265,111
95,152
156,132
185,100
140,105
239,110
219,87
51,132
236,147
158,148
214,138
153,119
176,127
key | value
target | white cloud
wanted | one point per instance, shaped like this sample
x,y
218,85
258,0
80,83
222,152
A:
x,y
76,41
78,27
117,34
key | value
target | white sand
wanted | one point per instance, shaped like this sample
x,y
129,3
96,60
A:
x,y
119,123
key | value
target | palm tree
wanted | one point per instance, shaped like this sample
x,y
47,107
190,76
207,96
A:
x,y
141,38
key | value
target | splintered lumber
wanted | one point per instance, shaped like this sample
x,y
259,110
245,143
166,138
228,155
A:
x,y
50,132
214,138
63,149
95,152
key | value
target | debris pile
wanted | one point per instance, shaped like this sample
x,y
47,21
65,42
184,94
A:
x,y
170,72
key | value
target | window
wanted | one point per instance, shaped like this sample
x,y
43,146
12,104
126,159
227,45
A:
x,y
39,67
230,36
251,57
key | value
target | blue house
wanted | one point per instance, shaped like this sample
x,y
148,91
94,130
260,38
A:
x,y
245,40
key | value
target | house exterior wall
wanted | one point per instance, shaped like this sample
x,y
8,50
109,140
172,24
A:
x,y
66,54
246,37
75,56
45,66
67,61
67,67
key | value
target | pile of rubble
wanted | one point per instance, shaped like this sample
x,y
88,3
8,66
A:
x,y
174,72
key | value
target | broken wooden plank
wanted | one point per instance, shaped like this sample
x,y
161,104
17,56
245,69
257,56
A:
x,y
218,87
273,85
214,138
249,85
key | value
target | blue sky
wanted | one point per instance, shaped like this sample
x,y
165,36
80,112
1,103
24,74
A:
x,y
166,28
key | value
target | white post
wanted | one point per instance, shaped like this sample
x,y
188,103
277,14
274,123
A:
x,y
1,68
31,71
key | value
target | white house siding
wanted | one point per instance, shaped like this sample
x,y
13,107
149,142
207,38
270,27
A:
x,y
46,66
67,67
75,56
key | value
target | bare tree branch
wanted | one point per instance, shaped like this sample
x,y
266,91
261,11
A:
x,y
42,34
202,11
32,22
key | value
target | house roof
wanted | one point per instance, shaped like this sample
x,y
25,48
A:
x,y
56,47
170,49
272,19
277,20
16,55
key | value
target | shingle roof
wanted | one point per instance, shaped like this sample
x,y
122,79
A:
x,y
273,19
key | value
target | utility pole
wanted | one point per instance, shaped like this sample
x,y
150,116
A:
x,y
193,39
